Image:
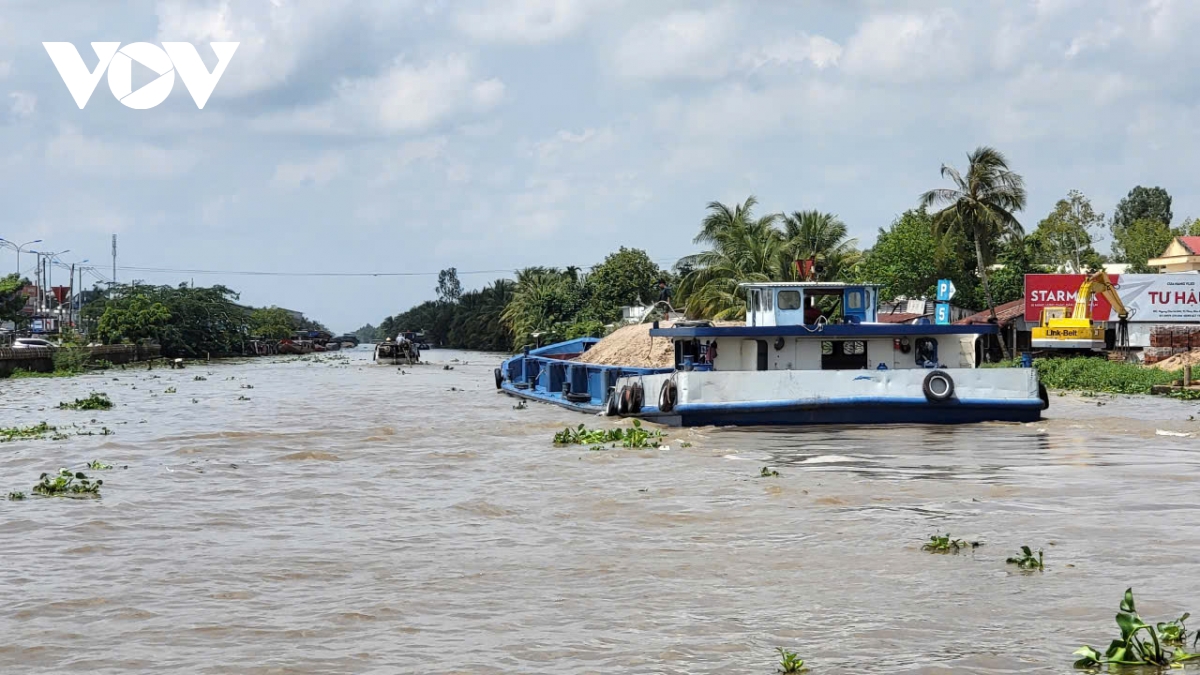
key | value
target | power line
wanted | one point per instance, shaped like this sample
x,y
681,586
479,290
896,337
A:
x,y
265,273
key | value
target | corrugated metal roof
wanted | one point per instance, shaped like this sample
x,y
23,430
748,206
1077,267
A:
x,y
1006,313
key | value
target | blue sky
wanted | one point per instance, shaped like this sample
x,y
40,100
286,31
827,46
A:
x,y
413,135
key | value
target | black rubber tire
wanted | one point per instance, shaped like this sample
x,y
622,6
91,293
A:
x,y
499,378
624,400
639,399
611,403
935,396
1044,395
578,397
668,396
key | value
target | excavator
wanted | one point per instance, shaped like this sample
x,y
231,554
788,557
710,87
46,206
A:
x,y
1078,331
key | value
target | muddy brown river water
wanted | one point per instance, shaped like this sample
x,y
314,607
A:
x,y
348,518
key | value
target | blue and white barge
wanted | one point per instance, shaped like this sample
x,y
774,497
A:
x,y
809,353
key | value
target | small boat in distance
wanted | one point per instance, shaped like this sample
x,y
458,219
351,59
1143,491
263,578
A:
x,y
809,353
398,352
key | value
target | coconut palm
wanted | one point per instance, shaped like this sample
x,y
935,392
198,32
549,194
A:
x,y
812,235
744,249
981,205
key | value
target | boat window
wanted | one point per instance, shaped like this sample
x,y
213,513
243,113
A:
x,y
789,299
843,355
755,301
762,354
767,301
854,299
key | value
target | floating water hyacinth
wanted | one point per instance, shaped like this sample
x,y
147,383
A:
x,y
790,662
97,401
1027,561
943,543
1140,644
67,484
636,437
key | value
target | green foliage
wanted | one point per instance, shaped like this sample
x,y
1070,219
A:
x,y
187,321
16,496
70,361
1139,241
369,333
981,206
93,402
768,472
943,543
1142,203
1027,561
908,259
790,662
743,249
635,437
1018,256
1095,374
545,301
1065,235
11,298
449,288
1139,644
582,328
821,237
67,484
1175,632
626,277
272,323
34,432
97,465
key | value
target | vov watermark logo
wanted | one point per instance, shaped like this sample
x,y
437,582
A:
x,y
173,57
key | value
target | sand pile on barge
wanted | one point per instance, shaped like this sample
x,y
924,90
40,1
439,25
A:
x,y
633,346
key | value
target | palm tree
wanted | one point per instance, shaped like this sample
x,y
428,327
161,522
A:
x,y
981,205
820,237
744,249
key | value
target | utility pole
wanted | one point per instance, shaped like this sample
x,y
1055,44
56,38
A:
x,y
114,259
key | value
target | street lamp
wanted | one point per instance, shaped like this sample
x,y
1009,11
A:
x,y
16,248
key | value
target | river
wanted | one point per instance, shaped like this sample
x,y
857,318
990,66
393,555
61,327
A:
x,y
326,515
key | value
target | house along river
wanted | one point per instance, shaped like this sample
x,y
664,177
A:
x,y
347,518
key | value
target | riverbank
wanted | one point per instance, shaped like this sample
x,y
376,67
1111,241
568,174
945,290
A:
x,y
39,360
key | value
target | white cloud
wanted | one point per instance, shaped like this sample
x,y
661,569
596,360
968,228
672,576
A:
x,y
404,98
318,171
818,50
420,150
686,44
5,69
524,21
577,145
72,151
276,37
1098,38
24,103
907,48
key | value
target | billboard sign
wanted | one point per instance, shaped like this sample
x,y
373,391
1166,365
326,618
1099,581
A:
x,y
1149,298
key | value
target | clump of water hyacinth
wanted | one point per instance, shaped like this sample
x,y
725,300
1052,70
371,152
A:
x,y
67,484
1027,561
96,401
790,662
636,437
943,543
1140,644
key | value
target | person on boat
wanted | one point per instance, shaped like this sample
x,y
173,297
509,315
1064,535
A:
x,y
812,313
664,292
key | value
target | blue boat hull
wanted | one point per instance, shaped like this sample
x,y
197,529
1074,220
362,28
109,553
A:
x,y
845,413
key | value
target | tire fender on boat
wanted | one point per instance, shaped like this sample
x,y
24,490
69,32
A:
x,y
668,396
611,403
639,398
1044,395
624,400
938,386
499,378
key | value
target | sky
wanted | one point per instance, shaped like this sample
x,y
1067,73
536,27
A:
x,y
407,136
